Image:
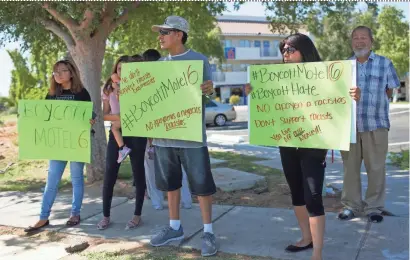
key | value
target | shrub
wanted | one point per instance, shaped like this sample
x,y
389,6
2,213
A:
x,y
12,111
234,99
400,159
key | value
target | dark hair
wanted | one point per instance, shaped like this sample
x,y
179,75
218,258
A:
x,y
151,55
184,37
107,89
362,27
304,45
136,58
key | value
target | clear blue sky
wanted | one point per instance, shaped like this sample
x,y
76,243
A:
x,y
249,8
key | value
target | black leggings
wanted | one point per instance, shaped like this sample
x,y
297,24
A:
x,y
305,171
137,145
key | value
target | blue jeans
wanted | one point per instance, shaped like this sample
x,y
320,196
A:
x,y
55,172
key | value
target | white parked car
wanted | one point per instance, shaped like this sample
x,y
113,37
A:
x,y
399,94
218,114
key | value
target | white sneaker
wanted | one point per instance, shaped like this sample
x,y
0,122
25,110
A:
x,y
123,153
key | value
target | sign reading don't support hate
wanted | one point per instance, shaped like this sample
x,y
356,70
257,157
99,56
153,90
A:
x,y
162,100
54,130
304,105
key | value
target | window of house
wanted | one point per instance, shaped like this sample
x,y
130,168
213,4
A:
x,y
266,45
245,43
227,43
275,48
257,44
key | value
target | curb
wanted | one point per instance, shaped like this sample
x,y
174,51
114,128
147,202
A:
x,y
393,105
222,139
337,154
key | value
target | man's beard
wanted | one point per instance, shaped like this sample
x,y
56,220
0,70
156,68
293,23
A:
x,y
361,53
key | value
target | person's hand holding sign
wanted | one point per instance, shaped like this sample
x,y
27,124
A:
x,y
248,88
207,88
355,93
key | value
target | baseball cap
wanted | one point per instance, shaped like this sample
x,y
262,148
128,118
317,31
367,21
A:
x,y
173,22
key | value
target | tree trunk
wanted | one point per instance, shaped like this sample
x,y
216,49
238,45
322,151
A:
x,y
88,56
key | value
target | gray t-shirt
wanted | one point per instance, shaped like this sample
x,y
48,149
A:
x,y
188,55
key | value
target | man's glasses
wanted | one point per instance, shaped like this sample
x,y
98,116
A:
x,y
166,32
59,72
289,50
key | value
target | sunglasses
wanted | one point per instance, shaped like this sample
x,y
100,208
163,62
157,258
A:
x,y
289,50
59,72
166,32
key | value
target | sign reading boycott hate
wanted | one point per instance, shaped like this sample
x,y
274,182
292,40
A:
x,y
304,105
54,130
162,99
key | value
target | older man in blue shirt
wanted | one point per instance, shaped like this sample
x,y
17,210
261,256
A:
x,y
376,77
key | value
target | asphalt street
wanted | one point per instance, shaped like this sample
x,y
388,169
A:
x,y
398,135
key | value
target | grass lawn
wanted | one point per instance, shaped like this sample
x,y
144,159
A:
x,y
32,175
400,159
243,163
125,172
28,176
16,175
7,118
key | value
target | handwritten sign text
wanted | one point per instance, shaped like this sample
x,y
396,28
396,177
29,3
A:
x,y
168,104
304,105
54,129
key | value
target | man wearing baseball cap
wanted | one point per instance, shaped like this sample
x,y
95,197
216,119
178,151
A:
x,y
194,156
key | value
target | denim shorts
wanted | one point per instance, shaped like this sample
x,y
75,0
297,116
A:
x,y
168,171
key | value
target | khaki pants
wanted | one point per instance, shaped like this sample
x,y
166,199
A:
x,y
372,148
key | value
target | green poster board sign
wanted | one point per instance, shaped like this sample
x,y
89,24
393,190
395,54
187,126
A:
x,y
304,105
162,99
54,130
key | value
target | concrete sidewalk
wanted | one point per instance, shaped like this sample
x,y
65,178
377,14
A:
x,y
240,230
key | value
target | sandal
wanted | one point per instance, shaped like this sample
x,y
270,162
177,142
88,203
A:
x,y
104,223
346,214
375,217
131,224
32,229
73,221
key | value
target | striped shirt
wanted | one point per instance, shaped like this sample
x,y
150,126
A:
x,y
374,77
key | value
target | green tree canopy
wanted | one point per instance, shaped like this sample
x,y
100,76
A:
x,y
392,37
83,30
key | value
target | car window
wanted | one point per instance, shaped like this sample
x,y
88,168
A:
x,y
210,104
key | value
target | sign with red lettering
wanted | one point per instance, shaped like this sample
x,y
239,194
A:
x,y
304,105
162,100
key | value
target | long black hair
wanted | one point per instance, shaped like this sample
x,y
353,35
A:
x,y
304,45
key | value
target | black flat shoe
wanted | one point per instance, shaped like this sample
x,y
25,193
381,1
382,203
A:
x,y
32,229
375,217
295,249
